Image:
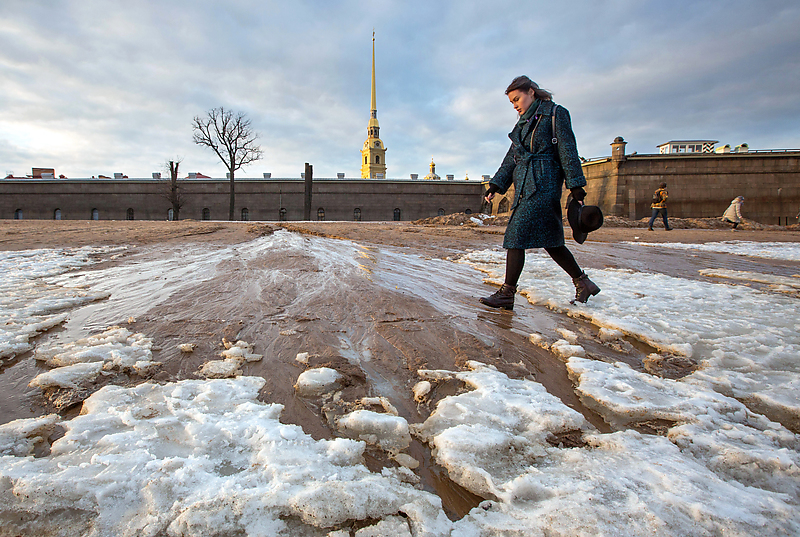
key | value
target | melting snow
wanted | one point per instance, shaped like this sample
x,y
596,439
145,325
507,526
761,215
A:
x,y
201,457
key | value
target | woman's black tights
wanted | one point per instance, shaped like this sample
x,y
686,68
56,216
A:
x,y
515,260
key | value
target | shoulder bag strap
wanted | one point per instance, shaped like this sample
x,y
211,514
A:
x,y
553,117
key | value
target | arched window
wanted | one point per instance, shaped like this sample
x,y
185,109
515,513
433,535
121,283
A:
x,y
245,215
377,159
441,212
18,214
57,214
171,214
320,214
282,214
397,214
468,211
129,214
206,214
365,160
95,214
357,215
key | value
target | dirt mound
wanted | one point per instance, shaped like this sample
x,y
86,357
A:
x,y
477,220
463,219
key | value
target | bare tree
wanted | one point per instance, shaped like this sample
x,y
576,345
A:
x,y
173,191
230,136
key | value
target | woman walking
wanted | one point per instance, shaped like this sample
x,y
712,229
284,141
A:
x,y
733,214
538,163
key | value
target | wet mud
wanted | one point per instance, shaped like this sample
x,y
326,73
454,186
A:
x,y
375,312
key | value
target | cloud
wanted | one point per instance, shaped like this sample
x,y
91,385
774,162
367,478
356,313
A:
x,y
91,86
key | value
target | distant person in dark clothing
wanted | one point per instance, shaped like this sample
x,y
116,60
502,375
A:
x,y
659,205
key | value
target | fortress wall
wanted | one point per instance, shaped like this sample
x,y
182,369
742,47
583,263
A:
x,y
377,199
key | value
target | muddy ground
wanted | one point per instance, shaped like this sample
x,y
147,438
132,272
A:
x,y
439,325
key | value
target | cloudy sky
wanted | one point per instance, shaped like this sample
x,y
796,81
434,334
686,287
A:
x,y
94,87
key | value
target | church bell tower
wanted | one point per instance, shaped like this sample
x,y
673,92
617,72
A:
x,y
373,154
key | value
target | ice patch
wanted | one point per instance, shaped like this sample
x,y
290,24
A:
x,y
80,362
69,376
384,430
787,251
233,358
564,349
421,389
317,381
116,345
488,436
29,303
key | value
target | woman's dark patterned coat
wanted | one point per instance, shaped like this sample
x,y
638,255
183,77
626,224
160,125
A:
x,y
537,177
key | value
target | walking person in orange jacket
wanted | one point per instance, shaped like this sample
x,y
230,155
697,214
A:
x,y
659,205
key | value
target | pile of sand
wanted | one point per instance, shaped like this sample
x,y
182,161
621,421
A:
x,y
471,220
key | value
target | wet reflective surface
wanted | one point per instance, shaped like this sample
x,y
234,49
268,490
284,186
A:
x,y
377,314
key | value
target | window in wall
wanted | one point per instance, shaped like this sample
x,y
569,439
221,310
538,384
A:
x,y
170,215
377,159
468,211
18,214
206,214
245,215
320,214
440,212
397,214
357,215
95,214
129,214
365,160
282,214
57,214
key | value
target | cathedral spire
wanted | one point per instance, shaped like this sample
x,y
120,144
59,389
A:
x,y
373,152
374,100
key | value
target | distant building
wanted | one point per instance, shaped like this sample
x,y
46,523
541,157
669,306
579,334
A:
x,y
687,146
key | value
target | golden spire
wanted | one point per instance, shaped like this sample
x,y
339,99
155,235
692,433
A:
x,y
373,152
374,101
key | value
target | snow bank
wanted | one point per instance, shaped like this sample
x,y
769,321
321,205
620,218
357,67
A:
x,y
719,430
744,340
198,458
493,441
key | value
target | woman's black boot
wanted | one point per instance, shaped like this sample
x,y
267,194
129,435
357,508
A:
x,y
584,288
503,298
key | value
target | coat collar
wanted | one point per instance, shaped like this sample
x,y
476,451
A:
x,y
520,133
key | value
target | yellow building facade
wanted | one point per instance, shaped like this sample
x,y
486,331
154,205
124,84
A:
x,y
373,154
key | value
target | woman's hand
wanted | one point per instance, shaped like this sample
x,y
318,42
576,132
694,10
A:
x,y
490,192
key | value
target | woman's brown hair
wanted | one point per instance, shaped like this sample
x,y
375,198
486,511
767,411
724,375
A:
x,y
523,83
